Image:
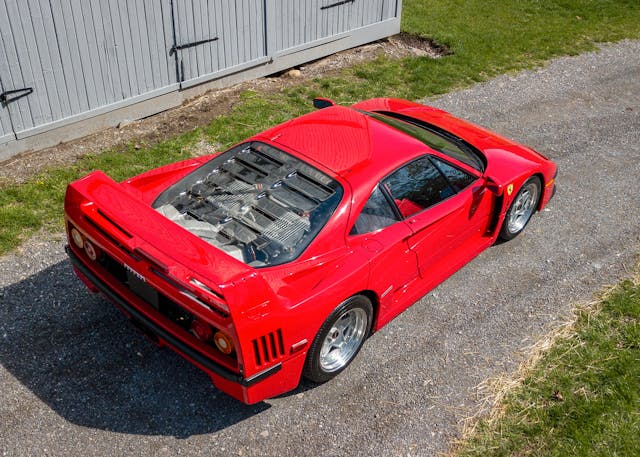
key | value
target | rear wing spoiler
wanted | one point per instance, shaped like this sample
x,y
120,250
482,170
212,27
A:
x,y
135,227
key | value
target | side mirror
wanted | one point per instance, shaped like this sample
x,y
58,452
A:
x,y
320,102
492,186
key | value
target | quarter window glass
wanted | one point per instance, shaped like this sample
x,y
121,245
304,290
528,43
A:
x,y
456,177
416,186
376,214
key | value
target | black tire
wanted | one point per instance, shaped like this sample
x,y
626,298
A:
x,y
522,208
324,361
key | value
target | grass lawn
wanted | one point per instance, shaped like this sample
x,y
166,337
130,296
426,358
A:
x,y
582,398
486,37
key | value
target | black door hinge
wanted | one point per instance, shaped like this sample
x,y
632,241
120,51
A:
x,y
333,5
178,47
13,95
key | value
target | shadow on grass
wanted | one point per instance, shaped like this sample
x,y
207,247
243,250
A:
x,y
81,357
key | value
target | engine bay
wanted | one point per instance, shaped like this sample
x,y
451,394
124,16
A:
x,y
255,202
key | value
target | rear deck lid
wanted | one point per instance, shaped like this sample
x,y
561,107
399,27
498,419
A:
x,y
134,225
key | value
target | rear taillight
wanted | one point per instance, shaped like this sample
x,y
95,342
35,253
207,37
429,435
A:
x,y
201,330
77,238
204,332
83,243
90,250
223,342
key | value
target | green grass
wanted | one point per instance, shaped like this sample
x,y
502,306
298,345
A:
x,y
26,207
486,37
582,398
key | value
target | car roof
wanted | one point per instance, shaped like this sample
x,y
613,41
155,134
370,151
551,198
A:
x,y
347,142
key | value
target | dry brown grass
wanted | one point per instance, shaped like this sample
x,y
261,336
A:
x,y
493,392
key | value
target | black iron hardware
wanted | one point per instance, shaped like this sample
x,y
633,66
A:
x,y
336,4
178,47
13,95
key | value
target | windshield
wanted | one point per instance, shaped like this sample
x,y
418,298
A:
x,y
434,137
255,202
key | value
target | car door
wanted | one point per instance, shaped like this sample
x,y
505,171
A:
x,y
381,236
447,211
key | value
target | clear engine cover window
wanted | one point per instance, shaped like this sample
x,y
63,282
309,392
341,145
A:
x,y
255,202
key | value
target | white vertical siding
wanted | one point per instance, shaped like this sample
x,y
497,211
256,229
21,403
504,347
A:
x,y
301,22
238,28
81,56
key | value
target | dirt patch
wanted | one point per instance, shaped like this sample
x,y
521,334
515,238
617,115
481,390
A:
x,y
202,110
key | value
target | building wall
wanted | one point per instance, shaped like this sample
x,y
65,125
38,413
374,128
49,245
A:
x,y
77,66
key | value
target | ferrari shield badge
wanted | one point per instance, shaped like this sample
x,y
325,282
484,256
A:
x,y
509,189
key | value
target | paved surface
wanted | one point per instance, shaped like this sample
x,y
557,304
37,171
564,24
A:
x,y
75,379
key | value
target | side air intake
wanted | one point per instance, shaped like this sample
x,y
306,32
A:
x,y
268,347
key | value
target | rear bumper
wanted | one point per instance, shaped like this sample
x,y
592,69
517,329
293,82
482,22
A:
x,y
234,384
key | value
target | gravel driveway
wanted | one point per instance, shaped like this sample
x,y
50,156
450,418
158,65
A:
x,y
75,379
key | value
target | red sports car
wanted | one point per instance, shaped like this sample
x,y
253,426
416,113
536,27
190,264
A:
x,y
278,258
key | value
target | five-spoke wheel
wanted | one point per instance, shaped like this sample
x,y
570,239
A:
x,y
522,208
339,339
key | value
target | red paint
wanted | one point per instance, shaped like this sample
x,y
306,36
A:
x,y
271,313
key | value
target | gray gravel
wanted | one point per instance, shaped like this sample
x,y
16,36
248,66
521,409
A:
x,y
75,379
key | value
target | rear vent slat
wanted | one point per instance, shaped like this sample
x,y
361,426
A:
x,y
280,342
269,347
256,352
265,349
272,345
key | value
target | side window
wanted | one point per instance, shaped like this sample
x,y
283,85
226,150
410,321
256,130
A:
x,y
376,214
457,178
416,186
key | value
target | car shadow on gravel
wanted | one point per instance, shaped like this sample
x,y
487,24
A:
x,y
81,357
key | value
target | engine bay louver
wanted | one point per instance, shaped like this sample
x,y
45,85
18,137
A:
x,y
268,347
254,202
